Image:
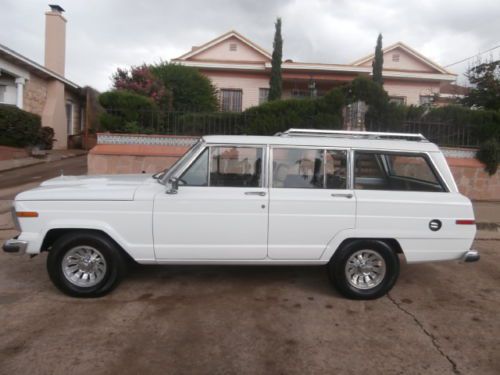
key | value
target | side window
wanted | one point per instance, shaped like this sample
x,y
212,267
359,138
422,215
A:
x,y
297,168
336,169
368,172
400,172
236,166
197,173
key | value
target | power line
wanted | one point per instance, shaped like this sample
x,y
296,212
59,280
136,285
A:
x,y
470,57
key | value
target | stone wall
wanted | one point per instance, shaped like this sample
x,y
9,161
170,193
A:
x,y
35,95
149,154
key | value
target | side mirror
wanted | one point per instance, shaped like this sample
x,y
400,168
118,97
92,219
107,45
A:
x,y
174,185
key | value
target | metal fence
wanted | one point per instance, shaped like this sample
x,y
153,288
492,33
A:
x,y
224,123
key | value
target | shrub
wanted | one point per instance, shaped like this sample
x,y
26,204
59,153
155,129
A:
x,y
45,139
127,112
18,128
191,90
489,155
278,116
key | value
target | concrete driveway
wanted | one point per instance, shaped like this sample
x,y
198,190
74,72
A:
x,y
441,318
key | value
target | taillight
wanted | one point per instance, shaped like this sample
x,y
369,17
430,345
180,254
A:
x,y
465,222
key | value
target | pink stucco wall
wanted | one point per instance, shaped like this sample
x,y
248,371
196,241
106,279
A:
x,y
248,83
222,52
411,90
406,62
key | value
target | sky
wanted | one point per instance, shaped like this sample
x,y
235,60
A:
x,y
103,35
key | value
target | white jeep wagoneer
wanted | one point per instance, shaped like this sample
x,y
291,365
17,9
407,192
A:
x,y
353,201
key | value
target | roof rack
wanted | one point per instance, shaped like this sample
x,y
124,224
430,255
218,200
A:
x,y
350,134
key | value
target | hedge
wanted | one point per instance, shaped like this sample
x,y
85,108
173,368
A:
x,y
18,128
127,112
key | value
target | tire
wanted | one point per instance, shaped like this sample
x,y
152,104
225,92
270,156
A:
x,y
85,264
364,269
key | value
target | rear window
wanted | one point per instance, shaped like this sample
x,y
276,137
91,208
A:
x,y
395,171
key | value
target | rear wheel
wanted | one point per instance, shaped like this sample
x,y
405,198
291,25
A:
x,y
364,269
85,264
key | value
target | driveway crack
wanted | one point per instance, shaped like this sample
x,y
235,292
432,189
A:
x,y
427,333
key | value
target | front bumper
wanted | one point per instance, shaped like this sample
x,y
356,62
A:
x,y
471,256
15,246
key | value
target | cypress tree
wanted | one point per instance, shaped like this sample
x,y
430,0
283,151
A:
x,y
378,62
275,83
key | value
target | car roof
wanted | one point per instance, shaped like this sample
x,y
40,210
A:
x,y
314,141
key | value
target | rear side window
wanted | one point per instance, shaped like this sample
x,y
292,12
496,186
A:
x,y
302,168
394,171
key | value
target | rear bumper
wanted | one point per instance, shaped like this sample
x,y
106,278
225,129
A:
x,y
471,256
15,246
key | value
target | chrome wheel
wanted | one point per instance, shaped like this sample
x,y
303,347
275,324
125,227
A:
x,y
84,266
365,269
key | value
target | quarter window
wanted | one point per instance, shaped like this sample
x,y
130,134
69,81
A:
x,y
393,171
197,173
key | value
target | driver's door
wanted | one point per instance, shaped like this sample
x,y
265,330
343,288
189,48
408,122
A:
x,y
220,210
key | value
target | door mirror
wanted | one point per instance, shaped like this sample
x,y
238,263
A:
x,y
174,185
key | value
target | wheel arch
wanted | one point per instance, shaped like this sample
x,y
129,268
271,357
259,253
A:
x,y
54,234
391,242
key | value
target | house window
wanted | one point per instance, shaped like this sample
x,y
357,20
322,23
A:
x,y
3,89
426,99
233,46
69,117
231,100
263,95
297,93
398,99
395,57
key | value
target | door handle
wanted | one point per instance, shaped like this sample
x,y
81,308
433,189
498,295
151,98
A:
x,y
260,193
344,195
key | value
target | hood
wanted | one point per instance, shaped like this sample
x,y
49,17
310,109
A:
x,y
91,188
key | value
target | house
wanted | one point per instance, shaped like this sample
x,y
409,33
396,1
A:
x,y
240,70
43,89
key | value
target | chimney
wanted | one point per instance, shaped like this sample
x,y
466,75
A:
x,y
55,39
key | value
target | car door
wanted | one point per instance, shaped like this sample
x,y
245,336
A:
x,y
220,210
310,201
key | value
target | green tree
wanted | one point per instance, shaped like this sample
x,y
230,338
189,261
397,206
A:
x,y
485,78
191,90
378,62
275,83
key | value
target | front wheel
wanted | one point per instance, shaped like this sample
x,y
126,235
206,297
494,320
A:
x,y
364,269
85,264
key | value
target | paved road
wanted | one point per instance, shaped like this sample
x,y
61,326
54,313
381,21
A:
x,y
441,318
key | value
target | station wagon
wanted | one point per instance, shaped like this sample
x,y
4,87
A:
x,y
353,202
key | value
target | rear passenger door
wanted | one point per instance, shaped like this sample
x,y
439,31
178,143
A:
x,y
310,201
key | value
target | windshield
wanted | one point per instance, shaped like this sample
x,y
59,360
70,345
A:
x,y
164,176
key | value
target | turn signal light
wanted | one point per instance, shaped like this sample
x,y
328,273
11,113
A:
x,y
465,222
26,214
